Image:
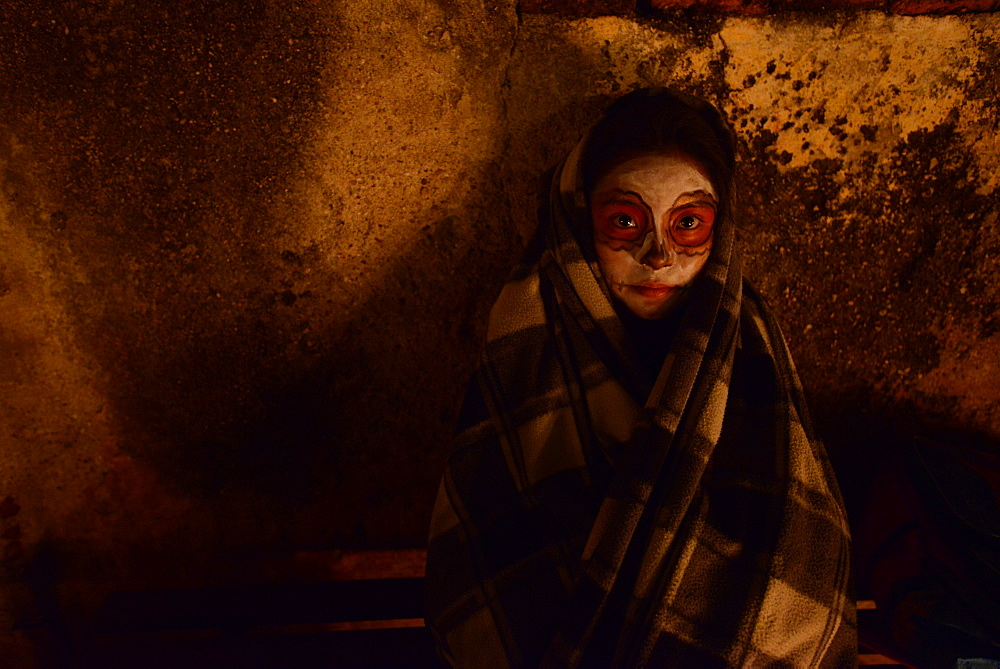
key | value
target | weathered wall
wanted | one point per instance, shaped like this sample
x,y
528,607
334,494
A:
x,y
869,199
243,246
248,249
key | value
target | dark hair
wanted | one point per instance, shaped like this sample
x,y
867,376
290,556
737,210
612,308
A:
x,y
656,120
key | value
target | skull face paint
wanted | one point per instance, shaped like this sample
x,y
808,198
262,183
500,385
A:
x,y
653,218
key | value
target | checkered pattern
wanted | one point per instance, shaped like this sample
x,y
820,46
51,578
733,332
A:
x,y
581,522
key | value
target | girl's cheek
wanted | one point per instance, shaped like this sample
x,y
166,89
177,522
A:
x,y
693,251
616,264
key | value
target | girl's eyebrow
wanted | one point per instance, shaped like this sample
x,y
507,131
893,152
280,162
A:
x,y
629,200
629,192
695,203
703,199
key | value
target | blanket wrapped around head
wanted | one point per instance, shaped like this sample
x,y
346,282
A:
x,y
586,519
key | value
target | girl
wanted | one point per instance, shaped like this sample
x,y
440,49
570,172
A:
x,y
635,480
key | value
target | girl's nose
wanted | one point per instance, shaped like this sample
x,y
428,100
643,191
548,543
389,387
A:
x,y
659,255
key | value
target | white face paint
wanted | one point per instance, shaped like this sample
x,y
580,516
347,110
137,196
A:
x,y
653,218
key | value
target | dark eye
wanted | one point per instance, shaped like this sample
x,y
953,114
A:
x,y
688,223
692,225
625,221
622,221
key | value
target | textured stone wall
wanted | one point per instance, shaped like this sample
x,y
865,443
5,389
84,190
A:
x,y
869,201
247,249
246,252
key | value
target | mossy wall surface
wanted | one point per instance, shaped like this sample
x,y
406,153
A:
x,y
247,249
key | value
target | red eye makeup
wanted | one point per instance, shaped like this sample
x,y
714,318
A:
x,y
692,225
621,221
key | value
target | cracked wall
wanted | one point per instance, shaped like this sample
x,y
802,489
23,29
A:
x,y
248,249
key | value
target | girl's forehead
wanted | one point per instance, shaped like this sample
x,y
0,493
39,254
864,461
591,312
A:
x,y
658,176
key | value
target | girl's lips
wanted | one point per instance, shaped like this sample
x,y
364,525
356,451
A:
x,y
652,291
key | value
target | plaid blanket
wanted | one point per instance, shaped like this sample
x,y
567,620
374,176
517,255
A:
x,y
584,520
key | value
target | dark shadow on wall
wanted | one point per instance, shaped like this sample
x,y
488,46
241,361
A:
x,y
164,137
863,432
164,133
159,142
922,496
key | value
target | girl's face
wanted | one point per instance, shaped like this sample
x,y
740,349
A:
x,y
653,218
